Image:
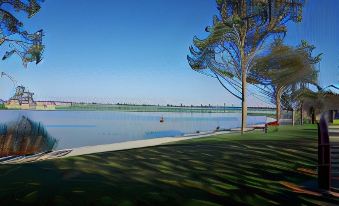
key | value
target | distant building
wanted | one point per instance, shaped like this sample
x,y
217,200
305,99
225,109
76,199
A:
x,y
45,105
51,105
64,104
22,99
333,89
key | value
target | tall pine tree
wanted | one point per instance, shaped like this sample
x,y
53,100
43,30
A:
x,y
238,33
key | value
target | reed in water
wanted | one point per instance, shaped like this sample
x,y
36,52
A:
x,y
24,137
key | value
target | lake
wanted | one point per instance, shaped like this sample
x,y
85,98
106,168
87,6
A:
x,y
84,128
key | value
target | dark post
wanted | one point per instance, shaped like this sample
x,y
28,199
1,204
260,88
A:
x,y
324,158
301,114
331,116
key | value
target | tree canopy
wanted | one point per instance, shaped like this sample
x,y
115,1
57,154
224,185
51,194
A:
x,y
237,35
284,66
13,35
283,72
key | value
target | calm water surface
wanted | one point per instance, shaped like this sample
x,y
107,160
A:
x,y
84,128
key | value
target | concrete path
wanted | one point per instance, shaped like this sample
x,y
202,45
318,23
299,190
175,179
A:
x,y
333,131
136,144
148,142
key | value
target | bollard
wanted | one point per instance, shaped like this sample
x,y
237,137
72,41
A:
x,y
324,158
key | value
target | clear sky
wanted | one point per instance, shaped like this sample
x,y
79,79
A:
x,y
135,51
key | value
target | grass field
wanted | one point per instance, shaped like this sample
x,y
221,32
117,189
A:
x,y
253,169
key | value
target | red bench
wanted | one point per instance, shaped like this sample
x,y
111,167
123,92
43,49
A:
x,y
275,123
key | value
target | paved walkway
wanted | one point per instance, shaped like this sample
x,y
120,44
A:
x,y
136,144
334,133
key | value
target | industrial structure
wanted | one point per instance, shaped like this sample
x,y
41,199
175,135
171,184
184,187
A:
x,y
23,99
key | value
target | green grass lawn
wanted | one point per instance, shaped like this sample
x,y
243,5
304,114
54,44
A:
x,y
253,169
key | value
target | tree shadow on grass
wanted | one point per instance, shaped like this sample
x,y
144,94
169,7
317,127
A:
x,y
225,173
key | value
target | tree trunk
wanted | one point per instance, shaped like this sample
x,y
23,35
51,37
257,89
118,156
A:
x,y
331,116
278,109
244,99
293,117
278,105
301,114
313,116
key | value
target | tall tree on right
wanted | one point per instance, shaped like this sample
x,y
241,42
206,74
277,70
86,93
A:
x,y
237,35
284,72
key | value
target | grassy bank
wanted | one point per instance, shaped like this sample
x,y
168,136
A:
x,y
159,108
254,169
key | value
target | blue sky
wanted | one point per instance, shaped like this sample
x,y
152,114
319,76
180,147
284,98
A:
x,y
135,51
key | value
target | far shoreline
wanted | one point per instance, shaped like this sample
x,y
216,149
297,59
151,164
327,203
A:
x,y
138,108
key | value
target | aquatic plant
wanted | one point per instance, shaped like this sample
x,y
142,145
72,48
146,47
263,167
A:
x,y
24,137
